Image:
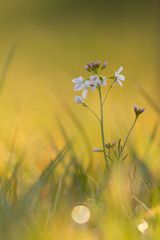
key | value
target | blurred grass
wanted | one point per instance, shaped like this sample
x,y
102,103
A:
x,y
47,165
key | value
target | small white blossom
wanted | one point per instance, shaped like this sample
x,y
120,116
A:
x,y
119,78
85,90
143,226
79,99
95,81
104,81
79,84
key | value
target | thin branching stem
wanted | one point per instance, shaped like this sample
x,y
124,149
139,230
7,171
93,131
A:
x,y
102,126
107,93
129,133
90,109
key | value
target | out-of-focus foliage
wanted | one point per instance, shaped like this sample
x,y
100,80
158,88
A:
x,y
46,161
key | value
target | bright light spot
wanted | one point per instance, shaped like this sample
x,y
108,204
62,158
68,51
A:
x,y
80,214
143,226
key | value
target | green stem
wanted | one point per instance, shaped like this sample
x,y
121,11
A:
x,y
102,126
107,94
92,112
126,140
108,91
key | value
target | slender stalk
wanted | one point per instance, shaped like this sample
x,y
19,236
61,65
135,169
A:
x,y
142,204
102,126
126,139
107,93
92,112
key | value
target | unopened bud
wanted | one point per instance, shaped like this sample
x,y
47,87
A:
x,y
138,110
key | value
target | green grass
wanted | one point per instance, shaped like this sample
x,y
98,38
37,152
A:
x,y
118,200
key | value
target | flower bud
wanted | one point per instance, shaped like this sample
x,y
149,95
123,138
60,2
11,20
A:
x,y
79,99
110,145
104,65
138,110
88,68
97,150
93,66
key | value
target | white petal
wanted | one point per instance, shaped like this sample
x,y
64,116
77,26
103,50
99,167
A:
x,y
84,93
79,86
119,82
119,71
92,78
77,80
78,99
121,77
103,82
87,83
98,81
93,87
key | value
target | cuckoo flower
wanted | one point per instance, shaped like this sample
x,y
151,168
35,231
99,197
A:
x,y
119,78
96,81
81,84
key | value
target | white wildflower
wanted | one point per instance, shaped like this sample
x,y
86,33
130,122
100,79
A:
x,y
79,84
96,81
119,78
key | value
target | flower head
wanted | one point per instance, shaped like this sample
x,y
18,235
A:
x,y
96,81
79,83
138,110
119,78
95,66
143,226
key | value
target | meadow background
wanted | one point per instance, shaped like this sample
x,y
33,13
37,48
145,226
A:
x,y
43,45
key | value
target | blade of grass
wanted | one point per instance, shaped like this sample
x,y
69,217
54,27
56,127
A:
x,y
81,130
6,65
151,139
45,175
150,100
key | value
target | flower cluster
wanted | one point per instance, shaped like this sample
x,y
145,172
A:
x,y
112,152
94,81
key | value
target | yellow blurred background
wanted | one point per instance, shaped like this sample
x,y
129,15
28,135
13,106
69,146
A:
x,y
52,40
